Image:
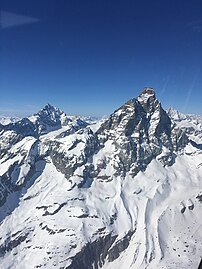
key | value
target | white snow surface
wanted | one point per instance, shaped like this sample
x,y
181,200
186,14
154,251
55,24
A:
x,y
50,219
60,219
4,120
192,124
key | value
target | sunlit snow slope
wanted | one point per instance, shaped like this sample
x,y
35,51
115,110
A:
x,y
120,195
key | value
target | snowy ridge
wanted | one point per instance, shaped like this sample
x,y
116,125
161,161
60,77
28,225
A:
x,y
191,124
46,120
4,120
123,193
51,118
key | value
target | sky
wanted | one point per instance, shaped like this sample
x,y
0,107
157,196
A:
x,y
88,57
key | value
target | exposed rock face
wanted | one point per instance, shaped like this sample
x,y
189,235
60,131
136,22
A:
x,y
200,265
47,119
21,169
119,247
118,197
67,160
190,124
12,243
23,135
94,254
8,139
137,132
51,118
142,132
22,127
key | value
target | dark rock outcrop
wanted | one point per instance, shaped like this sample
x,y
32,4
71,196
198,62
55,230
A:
x,y
142,131
93,255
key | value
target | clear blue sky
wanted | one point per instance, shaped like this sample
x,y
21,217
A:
x,y
90,56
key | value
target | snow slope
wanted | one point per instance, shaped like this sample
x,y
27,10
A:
x,y
126,194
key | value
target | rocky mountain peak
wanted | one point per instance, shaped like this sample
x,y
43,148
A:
x,y
142,130
148,91
148,100
147,95
176,115
50,111
49,107
73,198
47,119
139,111
189,123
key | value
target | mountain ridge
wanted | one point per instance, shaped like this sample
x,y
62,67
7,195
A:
x,y
127,193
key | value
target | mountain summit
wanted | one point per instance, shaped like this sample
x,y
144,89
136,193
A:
x,y
44,121
51,118
127,195
141,131
147,93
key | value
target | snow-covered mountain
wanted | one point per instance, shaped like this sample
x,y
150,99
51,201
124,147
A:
x,y
46,120
91,119
125,193
190,123
4,120
51,118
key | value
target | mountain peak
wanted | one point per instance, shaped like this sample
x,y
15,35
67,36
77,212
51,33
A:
x,y
144,130
51,118
175,114
50,108
147,94
106,198
148,91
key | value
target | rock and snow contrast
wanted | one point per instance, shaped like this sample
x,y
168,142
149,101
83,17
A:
x,y
125,193
191,124
4,120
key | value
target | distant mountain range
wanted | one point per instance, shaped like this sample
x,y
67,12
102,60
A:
x,y
121,192
6,120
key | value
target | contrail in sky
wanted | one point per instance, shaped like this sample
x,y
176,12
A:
x,y
191,90
164,87
8,19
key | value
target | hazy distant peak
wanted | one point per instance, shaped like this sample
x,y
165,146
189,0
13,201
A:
x,y
4,120
175,114
48,108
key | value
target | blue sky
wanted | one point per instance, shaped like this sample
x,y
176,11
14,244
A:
x,y
90,56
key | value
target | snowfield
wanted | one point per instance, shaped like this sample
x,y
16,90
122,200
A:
x,y
109,195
